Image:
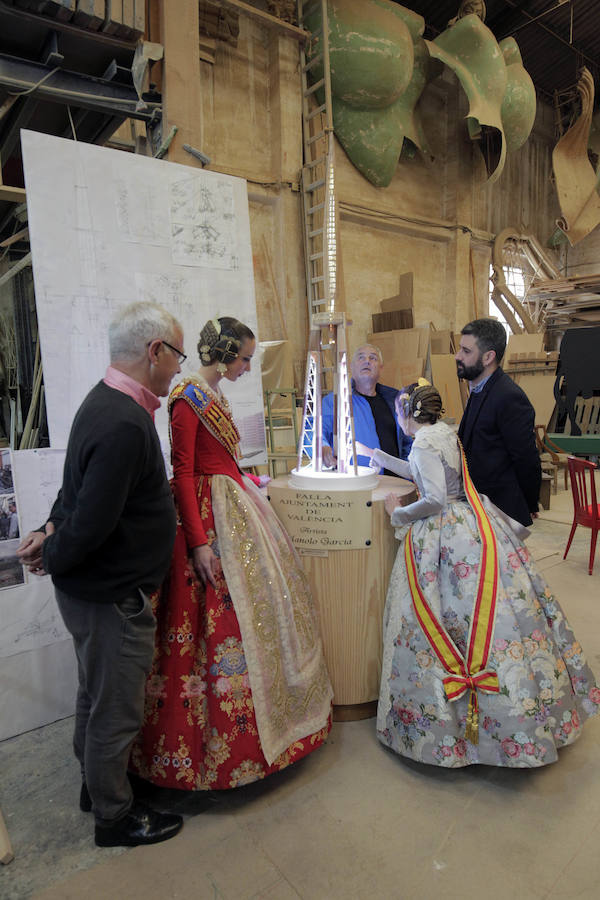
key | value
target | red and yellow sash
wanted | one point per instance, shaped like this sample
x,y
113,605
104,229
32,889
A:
x,y
470,673
215,415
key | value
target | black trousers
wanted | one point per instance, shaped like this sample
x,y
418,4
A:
x,y
114,644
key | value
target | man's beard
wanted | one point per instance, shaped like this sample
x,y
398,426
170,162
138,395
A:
x,y
470,373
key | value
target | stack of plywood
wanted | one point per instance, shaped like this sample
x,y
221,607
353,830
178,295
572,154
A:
x,y
404,348
410,353
534,371
404,351
396,312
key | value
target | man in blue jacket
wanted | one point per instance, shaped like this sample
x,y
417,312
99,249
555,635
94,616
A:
x,y
375,422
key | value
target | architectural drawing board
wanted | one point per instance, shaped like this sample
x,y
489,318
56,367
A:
x,y
108,228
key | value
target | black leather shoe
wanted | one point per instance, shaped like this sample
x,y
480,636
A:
x,y
85,801
141,825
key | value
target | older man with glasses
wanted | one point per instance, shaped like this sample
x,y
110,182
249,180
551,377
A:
x,y
107,545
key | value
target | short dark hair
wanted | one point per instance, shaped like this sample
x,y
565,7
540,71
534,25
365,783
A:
x,y
490,334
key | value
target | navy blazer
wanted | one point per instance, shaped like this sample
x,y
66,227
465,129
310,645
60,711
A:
x,y
499,441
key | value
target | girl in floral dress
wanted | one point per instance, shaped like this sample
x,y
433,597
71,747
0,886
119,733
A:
x,y
239,687
480,664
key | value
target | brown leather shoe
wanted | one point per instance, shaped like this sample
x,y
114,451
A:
x,y
141,825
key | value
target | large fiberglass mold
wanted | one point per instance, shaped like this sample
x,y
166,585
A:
x,y
380,64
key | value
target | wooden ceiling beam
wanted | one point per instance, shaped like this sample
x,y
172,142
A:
x,y
267,19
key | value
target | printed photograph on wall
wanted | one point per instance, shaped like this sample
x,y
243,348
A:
x,y
11,570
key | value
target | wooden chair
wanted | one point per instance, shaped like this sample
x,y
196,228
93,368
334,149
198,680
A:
x,y
586,511
551,452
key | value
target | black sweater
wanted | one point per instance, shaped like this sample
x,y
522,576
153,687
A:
x,y
114,515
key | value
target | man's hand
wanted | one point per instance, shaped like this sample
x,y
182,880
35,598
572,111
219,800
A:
x,y
206,564
329,459
29,550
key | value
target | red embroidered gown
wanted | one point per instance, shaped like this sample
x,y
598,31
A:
x,y
222,710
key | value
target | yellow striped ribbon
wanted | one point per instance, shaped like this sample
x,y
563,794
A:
x,y
470,673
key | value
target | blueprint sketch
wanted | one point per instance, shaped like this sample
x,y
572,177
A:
x,y
30,617
38,477
140,211
203,223
102,227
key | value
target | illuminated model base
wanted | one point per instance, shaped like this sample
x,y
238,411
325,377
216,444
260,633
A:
x,y
307,479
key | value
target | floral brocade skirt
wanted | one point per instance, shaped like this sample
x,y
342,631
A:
x,y
200,730
547,690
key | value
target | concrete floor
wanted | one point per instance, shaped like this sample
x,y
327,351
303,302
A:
x,y
351,821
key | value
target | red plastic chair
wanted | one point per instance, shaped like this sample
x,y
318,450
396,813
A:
x,y
586,510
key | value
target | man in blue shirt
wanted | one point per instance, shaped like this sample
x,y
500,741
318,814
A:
x,y
375,422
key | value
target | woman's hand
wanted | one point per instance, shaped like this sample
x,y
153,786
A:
x,y
392,502
206,564
363,450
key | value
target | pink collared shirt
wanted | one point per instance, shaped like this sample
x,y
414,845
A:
x,y
118,380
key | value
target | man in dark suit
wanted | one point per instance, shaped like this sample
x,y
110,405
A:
x,y
497,428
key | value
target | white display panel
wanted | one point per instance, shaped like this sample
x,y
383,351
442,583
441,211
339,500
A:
x,y
108,228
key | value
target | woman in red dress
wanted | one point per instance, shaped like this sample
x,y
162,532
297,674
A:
x,y
239,687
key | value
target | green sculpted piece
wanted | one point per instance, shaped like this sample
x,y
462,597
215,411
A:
x,y
518,105
380,64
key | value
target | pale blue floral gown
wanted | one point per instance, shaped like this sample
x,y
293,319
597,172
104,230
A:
x,y
547,689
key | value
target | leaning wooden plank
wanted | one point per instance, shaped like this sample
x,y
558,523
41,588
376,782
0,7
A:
x,y
89,14
61,9
129,15
6,852
139,18
14,270
125,29
445,379
112,17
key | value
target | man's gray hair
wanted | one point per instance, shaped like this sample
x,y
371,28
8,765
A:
x,y
137,325
373,347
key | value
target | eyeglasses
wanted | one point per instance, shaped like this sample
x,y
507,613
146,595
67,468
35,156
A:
x,y
181,356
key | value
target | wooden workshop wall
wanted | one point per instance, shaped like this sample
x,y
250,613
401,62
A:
x,y
524,195
584,257
250,117
435,219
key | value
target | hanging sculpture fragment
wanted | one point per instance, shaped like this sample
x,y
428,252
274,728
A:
x,y
500,92
518,104
576,180
380,64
